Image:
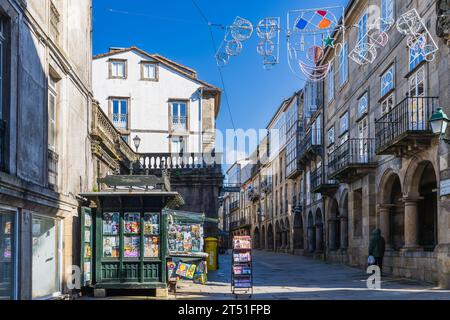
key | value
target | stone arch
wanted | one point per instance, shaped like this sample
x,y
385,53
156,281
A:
x,y
256,239
319,230
263,238
421,201
343,219
270,237
391,210
311,234
334,225
298,232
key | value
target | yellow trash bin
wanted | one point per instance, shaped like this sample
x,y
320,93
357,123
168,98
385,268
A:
x,y
211,250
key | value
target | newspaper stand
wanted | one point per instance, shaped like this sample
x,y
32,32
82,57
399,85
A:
x,y
241,266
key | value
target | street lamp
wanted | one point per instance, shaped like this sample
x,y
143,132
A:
x,y
137,142
439,123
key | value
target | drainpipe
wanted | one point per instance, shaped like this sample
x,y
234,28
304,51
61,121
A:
x,y
200,121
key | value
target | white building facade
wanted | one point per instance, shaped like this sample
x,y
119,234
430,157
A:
x,y
161,101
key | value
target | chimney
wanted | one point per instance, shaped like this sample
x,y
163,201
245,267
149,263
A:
x,y
113,49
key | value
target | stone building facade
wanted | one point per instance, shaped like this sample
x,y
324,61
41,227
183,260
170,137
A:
x,y
46,102
366,157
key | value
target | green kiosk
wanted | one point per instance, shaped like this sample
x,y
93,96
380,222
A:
x,y
124,238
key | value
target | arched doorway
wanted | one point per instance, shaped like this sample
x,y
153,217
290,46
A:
x,y
298,231
424,184
319,230
343,220
334,226
392,212
256,243
288,234
262,245
311,233
278,236
270,237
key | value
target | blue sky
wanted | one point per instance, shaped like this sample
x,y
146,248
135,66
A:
x,y
176,30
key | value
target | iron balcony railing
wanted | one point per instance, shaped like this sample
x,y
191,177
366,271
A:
x,y
318,179
309,140
410,116
353,152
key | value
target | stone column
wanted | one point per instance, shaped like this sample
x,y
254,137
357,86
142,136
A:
x,y
332,234
411,223
319,237
344,232
310,237
384,211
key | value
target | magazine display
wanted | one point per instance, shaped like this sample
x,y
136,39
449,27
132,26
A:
x,y
241,269
111,223
132,222
185,238
151,247
111,247
131,247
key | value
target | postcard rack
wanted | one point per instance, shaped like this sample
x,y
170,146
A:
x,y
241,266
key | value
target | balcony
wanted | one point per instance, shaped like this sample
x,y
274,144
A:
x,y
266,186
310,145
241,223
154,163
352,160
406,128
320,184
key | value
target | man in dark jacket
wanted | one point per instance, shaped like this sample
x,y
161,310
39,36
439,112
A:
x,y
377,247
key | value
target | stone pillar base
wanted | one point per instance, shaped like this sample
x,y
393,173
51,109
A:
x,y
100,293
161,292
443,265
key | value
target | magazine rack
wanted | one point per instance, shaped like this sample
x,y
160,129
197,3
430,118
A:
x,y
242,266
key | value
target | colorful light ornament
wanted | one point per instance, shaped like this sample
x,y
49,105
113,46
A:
x,y
412,25
309,34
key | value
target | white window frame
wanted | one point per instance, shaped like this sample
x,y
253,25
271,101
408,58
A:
x,y
331,136
344,123
387,104
387,14
115,71
363,104
52,118
176,120
386,85
415,56
120,114
149,71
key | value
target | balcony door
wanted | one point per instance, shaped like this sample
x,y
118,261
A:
x,y
416,109
179,116
363,135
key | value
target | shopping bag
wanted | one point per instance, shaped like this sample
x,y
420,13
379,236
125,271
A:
x,y
371,260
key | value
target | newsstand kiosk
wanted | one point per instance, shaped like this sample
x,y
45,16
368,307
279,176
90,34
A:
x,y
124,239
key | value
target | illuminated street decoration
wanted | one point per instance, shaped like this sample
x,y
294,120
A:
x,y
309,34
365,51
268,30
419,37
241,30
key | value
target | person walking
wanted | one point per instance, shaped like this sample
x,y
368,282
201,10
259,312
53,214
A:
x,y
377,248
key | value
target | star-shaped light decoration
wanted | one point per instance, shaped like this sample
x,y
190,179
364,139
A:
x,y
329,41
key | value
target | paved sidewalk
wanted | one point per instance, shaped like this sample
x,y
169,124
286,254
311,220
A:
x,y
282,276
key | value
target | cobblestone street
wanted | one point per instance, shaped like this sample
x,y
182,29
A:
x,y
282,276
